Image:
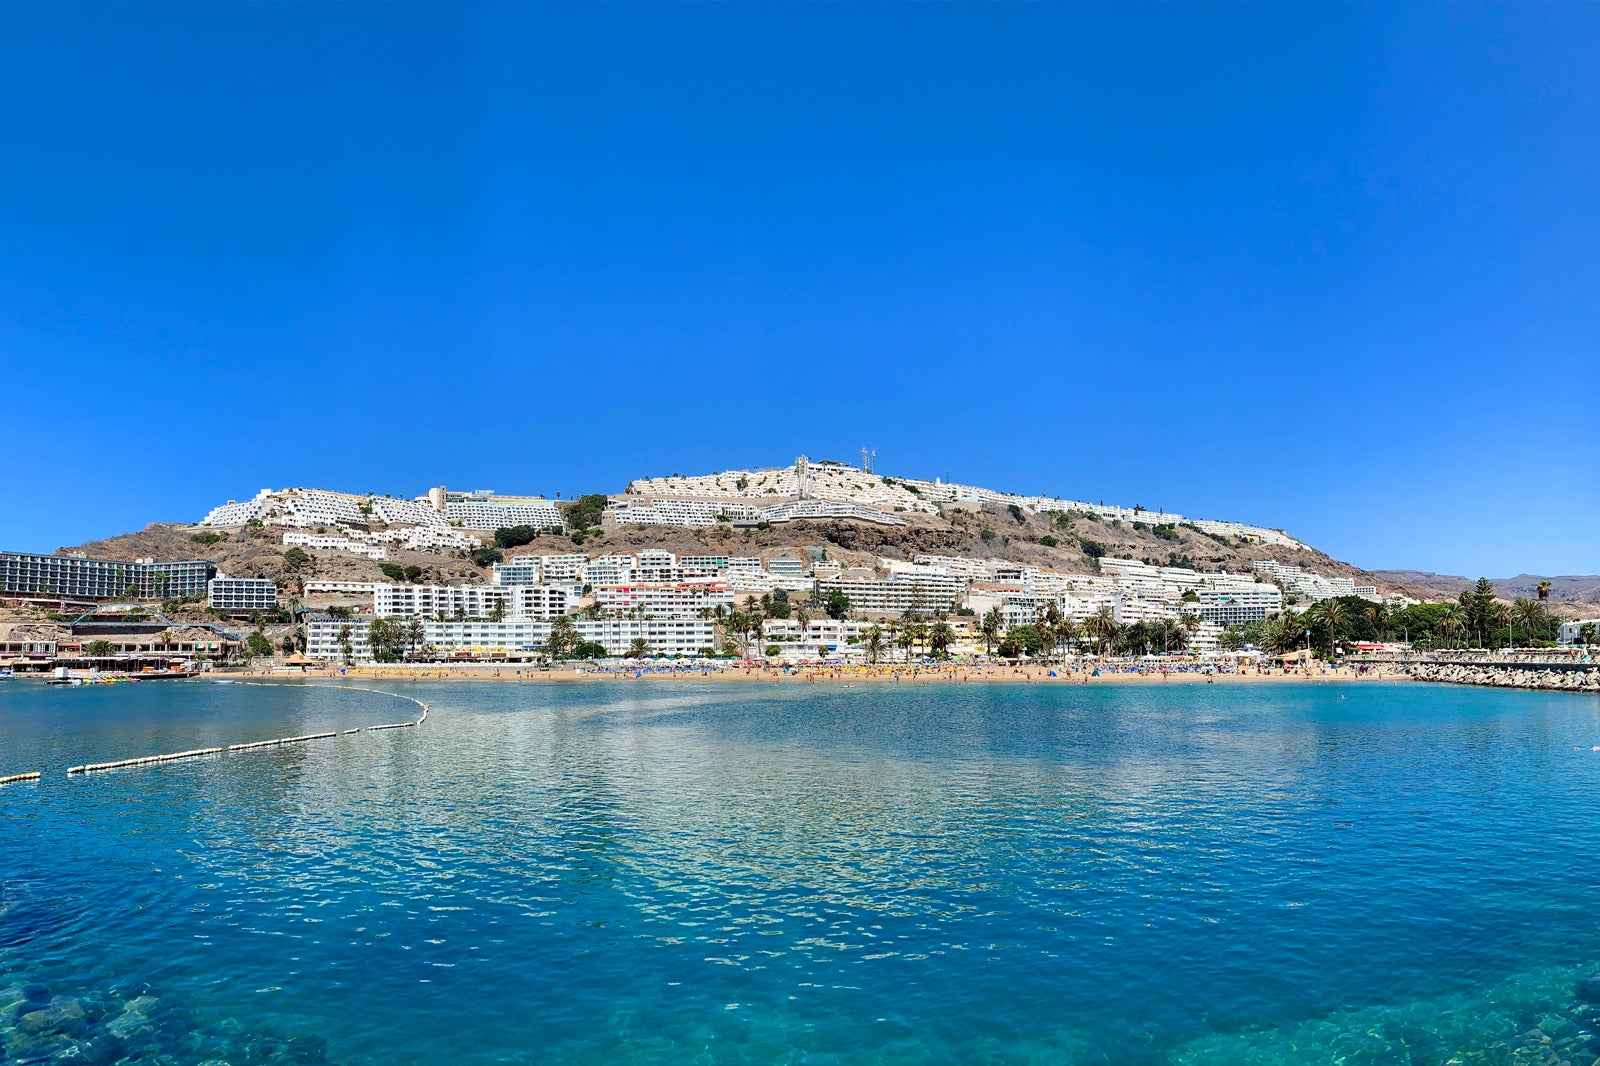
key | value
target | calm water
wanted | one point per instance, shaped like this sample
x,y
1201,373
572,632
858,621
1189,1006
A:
x,y
663,873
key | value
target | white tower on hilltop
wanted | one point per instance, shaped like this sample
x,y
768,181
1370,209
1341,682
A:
x,y
866,459
802,477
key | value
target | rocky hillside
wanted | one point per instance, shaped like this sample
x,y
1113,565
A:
x,y
986,531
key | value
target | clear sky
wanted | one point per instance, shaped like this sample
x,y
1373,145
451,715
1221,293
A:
x,y
1333,268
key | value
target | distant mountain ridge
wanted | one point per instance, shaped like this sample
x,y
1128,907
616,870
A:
x,y
1564,588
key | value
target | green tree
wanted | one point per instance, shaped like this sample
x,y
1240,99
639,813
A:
x,y
1331,613
1022,640
1544,590
589,649
1451,624
586,511
872,642
98,649
563,637
639,648
940,637
1530,614
1101,627
1586,633
514,536
836,604
295,558
347,650
258,644
990,625
1066,632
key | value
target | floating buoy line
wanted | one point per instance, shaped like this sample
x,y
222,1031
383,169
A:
x,y
151,760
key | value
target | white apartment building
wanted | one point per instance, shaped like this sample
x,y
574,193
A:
x,y
1237,606
612,570
532,569
519,638
570,567
704,565
324,542
482,509
924,593
339,588
819,635
786,566
680,600
405,512
472,601
323,640
632,510
520,570
795,510
237,514
676,638
423,538
241,594
1571,632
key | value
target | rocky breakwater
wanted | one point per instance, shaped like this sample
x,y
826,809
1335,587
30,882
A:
x,y
1563,677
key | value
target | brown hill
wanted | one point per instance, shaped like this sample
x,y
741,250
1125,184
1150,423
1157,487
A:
x,y
984,531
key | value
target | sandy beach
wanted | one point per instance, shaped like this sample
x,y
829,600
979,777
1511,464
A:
x,y
1087,674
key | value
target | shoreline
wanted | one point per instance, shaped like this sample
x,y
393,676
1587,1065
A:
x,y
509,674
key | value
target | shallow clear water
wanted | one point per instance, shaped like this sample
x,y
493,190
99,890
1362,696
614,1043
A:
x,y
656,872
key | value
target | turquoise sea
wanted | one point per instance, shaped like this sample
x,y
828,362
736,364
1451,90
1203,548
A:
x,y
705,873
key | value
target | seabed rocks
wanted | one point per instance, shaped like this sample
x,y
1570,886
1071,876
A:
x,y
38,1026
1560,678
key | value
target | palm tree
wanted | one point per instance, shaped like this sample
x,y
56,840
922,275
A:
x,y
413,632
940,637
1500,618
917,629
1450,624
1530,613
1101,627
639,648
994,620
1332,613
563,637
1066,631
1544,590
872,643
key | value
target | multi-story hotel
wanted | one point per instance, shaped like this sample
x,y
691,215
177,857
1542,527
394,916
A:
x,y
75,577
323,542
1237,606
472,601
678,600
519,638
923,593
630,510
240,595
482,509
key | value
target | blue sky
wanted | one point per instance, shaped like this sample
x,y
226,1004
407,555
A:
x,y
1325,267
